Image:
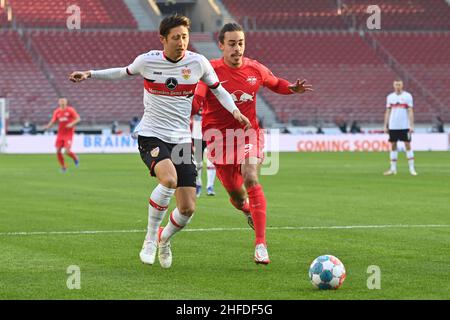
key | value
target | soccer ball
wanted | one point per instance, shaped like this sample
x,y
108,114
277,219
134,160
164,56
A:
x,y
327,272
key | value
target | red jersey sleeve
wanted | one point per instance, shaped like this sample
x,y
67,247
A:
x,y
269,80
54,115
73,113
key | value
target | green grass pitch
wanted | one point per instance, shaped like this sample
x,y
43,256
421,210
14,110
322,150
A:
x,y
110,192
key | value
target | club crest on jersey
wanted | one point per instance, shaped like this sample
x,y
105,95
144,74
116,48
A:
x,y
252,80
171,83
186,73
154,152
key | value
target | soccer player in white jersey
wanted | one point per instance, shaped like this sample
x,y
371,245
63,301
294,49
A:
x,y
199,151
170,78
399,123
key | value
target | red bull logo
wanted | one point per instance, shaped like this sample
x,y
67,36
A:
x,y
241,96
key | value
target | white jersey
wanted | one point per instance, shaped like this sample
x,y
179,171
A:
x,y
168,92
399,104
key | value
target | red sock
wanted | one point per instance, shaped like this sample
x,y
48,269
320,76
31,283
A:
x,y
72,155
61,159
245,208
258,211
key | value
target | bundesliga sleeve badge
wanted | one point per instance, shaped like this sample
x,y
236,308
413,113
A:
x,y
154,152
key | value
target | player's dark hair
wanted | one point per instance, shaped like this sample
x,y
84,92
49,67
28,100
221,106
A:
x,y
229,27
173,21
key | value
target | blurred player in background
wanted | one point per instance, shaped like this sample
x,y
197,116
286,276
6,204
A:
x,y
170,78
239,172
399,123
67,117
199,151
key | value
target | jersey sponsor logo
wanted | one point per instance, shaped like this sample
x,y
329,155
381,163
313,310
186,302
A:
x,y
186,73
399,105
154,152
171,83
162,89
158,73
252,80
241,96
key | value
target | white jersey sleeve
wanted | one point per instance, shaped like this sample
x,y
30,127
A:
x,y
409,100
109,74
137,66
209,75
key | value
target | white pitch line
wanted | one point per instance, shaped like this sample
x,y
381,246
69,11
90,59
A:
x,y
386,226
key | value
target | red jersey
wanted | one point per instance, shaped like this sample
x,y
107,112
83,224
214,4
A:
x,y
64,117
243,84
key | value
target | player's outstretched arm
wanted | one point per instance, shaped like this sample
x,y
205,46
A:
x,y
49,125
78,76
106,74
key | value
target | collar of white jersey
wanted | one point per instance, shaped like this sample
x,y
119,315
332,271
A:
x,y
174,61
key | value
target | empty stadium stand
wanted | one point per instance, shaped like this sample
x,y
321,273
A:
x,y
347,76
294,38
98,101
332,14
53,13
29,92
286,14
402,15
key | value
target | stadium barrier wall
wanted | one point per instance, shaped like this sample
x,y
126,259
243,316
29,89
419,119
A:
x,y
274,142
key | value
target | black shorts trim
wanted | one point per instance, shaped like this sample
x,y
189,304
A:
x,y
399,135
154,150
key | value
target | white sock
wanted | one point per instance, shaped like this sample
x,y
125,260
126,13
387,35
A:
x,y
157,208
394,156
211,173
176,222
199,174
410,156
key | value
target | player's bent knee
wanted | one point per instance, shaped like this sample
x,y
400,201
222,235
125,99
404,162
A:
x,y
250,180
169,182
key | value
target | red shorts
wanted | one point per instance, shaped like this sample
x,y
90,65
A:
x,y
230,176
233,151
64,142
228,164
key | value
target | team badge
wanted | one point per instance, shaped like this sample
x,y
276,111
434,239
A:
x,y
186,73
251,80
154,152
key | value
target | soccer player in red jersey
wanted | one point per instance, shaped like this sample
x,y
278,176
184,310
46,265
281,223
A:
x,y
238,170
67,117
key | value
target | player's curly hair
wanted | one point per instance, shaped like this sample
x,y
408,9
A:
x,y
229,27
173,21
